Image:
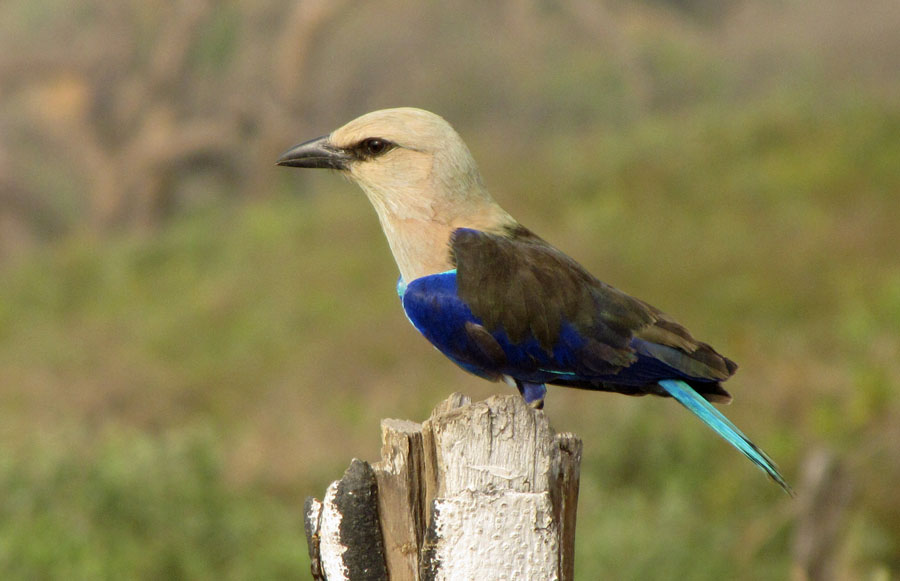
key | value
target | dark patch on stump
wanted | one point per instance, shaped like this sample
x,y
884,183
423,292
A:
x,y
429,564
357,502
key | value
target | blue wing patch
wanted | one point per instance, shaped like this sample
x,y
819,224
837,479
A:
x,y
433,306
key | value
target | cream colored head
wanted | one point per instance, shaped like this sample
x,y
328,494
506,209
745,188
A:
x,y
419,176
424,170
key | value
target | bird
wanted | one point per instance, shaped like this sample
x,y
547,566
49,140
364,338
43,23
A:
x,y
498,300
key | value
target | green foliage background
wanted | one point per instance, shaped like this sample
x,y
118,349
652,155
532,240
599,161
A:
x,y
169,397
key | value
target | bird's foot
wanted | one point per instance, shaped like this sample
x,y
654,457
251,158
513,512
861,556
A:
x,y
533,393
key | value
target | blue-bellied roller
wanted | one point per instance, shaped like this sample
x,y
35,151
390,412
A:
x,y
498,300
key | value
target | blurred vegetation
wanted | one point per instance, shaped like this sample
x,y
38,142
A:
x,y
140,507
184,329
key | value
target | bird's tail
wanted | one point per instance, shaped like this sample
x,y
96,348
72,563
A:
x,y
689,398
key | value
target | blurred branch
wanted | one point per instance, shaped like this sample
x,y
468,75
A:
x,y
169,62
302,27
133,121
23,214
125,112
32,210
164,149
825,495
286,104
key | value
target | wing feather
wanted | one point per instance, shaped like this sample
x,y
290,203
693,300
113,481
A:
x,y
518,283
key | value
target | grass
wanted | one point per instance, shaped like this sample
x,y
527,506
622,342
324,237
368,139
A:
x,y
167,401
138,506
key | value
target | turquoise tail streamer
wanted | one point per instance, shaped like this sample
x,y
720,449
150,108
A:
x,y
693,401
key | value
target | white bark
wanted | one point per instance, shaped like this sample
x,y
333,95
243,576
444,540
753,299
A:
x,y
479,491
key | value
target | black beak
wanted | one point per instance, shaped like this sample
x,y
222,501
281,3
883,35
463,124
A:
x,y
316,152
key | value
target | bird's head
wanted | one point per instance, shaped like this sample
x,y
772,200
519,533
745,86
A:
x,y
410,163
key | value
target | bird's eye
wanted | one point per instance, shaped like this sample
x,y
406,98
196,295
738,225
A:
x,y
375,146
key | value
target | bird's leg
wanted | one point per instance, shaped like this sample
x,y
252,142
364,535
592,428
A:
x,y
533,393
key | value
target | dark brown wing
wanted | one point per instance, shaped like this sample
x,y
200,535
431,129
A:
x,y
522,284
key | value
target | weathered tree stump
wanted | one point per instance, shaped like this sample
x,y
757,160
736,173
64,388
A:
x,y
478,491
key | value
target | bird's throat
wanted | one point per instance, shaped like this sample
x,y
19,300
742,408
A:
x,y
422,246
419,247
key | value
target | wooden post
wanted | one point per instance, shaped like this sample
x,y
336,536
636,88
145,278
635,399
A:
x,y
478,491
